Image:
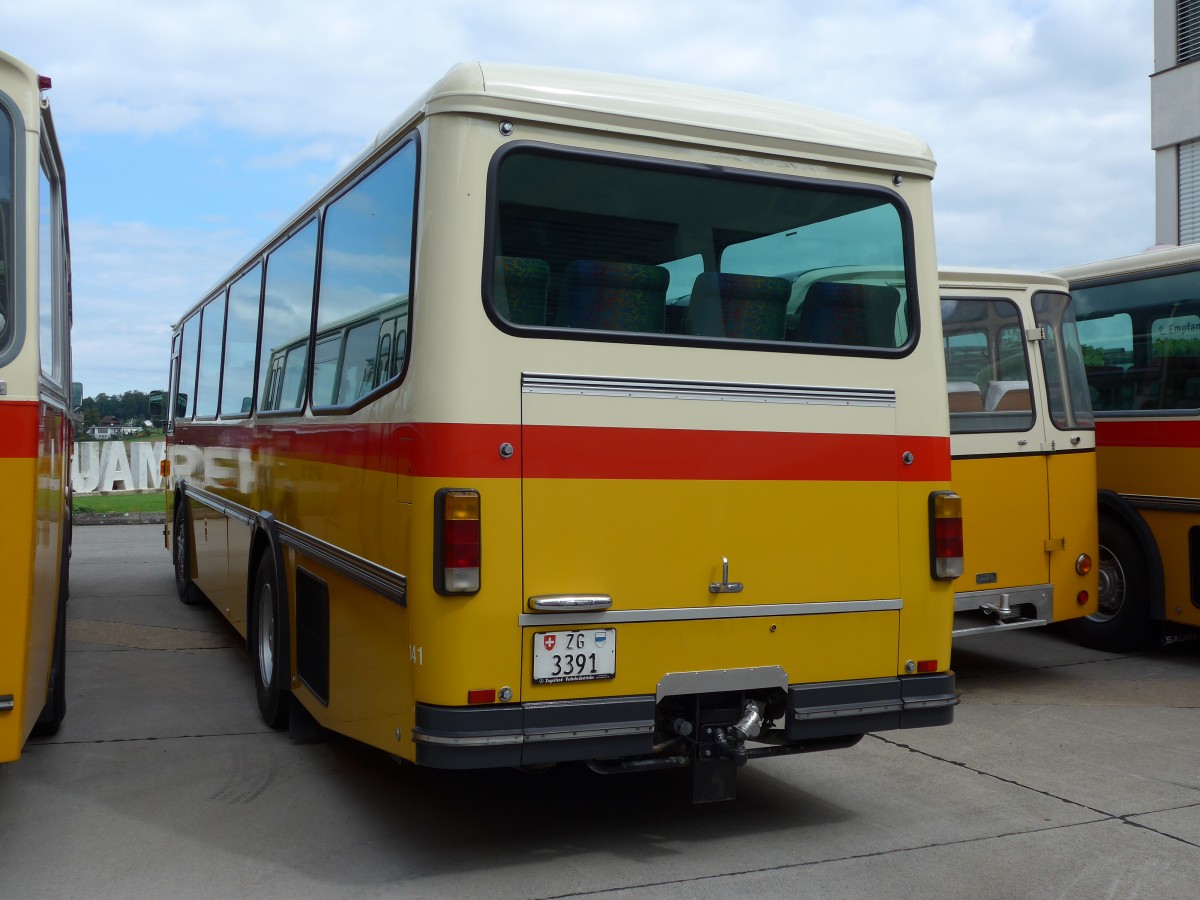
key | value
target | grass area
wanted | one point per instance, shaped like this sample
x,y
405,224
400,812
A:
x,y
120,503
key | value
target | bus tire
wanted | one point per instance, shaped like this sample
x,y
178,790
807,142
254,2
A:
x,y
1122,621
267,639
55,710
181,556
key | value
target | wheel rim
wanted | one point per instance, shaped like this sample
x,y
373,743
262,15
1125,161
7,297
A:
x,y
1112,587
266,635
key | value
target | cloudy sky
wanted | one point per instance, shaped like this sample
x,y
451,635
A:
x,y
191,130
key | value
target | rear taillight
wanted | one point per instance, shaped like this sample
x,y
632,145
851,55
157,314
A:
x,y
945,535
457,541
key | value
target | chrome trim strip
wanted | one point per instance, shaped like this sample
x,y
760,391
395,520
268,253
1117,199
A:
x,y
377,578
654,389
384,582
483,740
932,703
7,702
1163,504
622,730
510,738
842,711
220,504
570,602
613,617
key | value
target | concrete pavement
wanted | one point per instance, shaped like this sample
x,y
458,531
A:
x,y
1067,773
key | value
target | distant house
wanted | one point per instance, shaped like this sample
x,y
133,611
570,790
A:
x,y
111,427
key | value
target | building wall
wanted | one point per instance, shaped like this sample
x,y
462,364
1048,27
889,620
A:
x,y
1175,122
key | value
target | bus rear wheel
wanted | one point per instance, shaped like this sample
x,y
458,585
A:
x,y
268,642
1121,622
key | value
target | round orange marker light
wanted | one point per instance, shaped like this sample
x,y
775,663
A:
x,y
1083,564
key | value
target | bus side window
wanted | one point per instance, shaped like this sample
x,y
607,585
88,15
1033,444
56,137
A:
x,y
366,275
287,311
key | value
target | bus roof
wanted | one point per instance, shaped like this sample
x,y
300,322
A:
x,y
665,110
1156,258
965,277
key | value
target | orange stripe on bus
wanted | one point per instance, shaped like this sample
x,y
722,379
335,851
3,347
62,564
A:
x,y
18,429
667,454
432,450
1149,433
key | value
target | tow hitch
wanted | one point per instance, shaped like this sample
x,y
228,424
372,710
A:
x,y
720,751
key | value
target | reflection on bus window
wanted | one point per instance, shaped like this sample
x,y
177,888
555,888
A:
x,y
187,368
1140,342
365,272
1062,359
241,335
287,312
212,335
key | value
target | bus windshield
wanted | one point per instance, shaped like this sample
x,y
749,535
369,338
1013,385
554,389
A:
x,y
583,242
1141,342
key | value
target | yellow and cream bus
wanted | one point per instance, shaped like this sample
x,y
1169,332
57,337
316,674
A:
x,y
35,411
1139,323
516,445
1022,442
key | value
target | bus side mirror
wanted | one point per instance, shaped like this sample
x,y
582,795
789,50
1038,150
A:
x,y
156,404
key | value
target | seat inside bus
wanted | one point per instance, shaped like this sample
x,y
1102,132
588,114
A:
x,y
857,315
613,296
738,306
519,289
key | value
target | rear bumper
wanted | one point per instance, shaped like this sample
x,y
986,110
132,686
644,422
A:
x,y
525,734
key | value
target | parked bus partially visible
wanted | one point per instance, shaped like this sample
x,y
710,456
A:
x,y
1139,323
1022,443
35,411
525,441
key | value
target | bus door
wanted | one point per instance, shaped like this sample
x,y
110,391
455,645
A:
x,y
1071,462
1001,452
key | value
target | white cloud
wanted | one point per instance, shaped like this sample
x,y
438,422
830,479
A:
x,y
1038,112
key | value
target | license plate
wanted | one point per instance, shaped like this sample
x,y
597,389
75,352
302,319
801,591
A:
x,y
581,655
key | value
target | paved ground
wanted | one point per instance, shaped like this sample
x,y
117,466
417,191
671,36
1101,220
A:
x,y
1067,773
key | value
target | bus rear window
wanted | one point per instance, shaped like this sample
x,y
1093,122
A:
x,y
587,246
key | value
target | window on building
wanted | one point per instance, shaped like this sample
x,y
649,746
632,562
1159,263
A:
x,y
1189,191
1188,30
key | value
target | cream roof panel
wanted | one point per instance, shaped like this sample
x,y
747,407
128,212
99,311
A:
x,y
1156,258
668,110
951,277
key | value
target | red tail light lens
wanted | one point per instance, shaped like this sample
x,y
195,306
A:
x,y
945,535
458,543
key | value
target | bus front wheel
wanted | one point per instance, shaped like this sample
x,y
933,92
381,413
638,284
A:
x,y
1121,622
52,714
181,556
267,642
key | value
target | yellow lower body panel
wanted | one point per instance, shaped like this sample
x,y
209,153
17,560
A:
x,y
808,648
